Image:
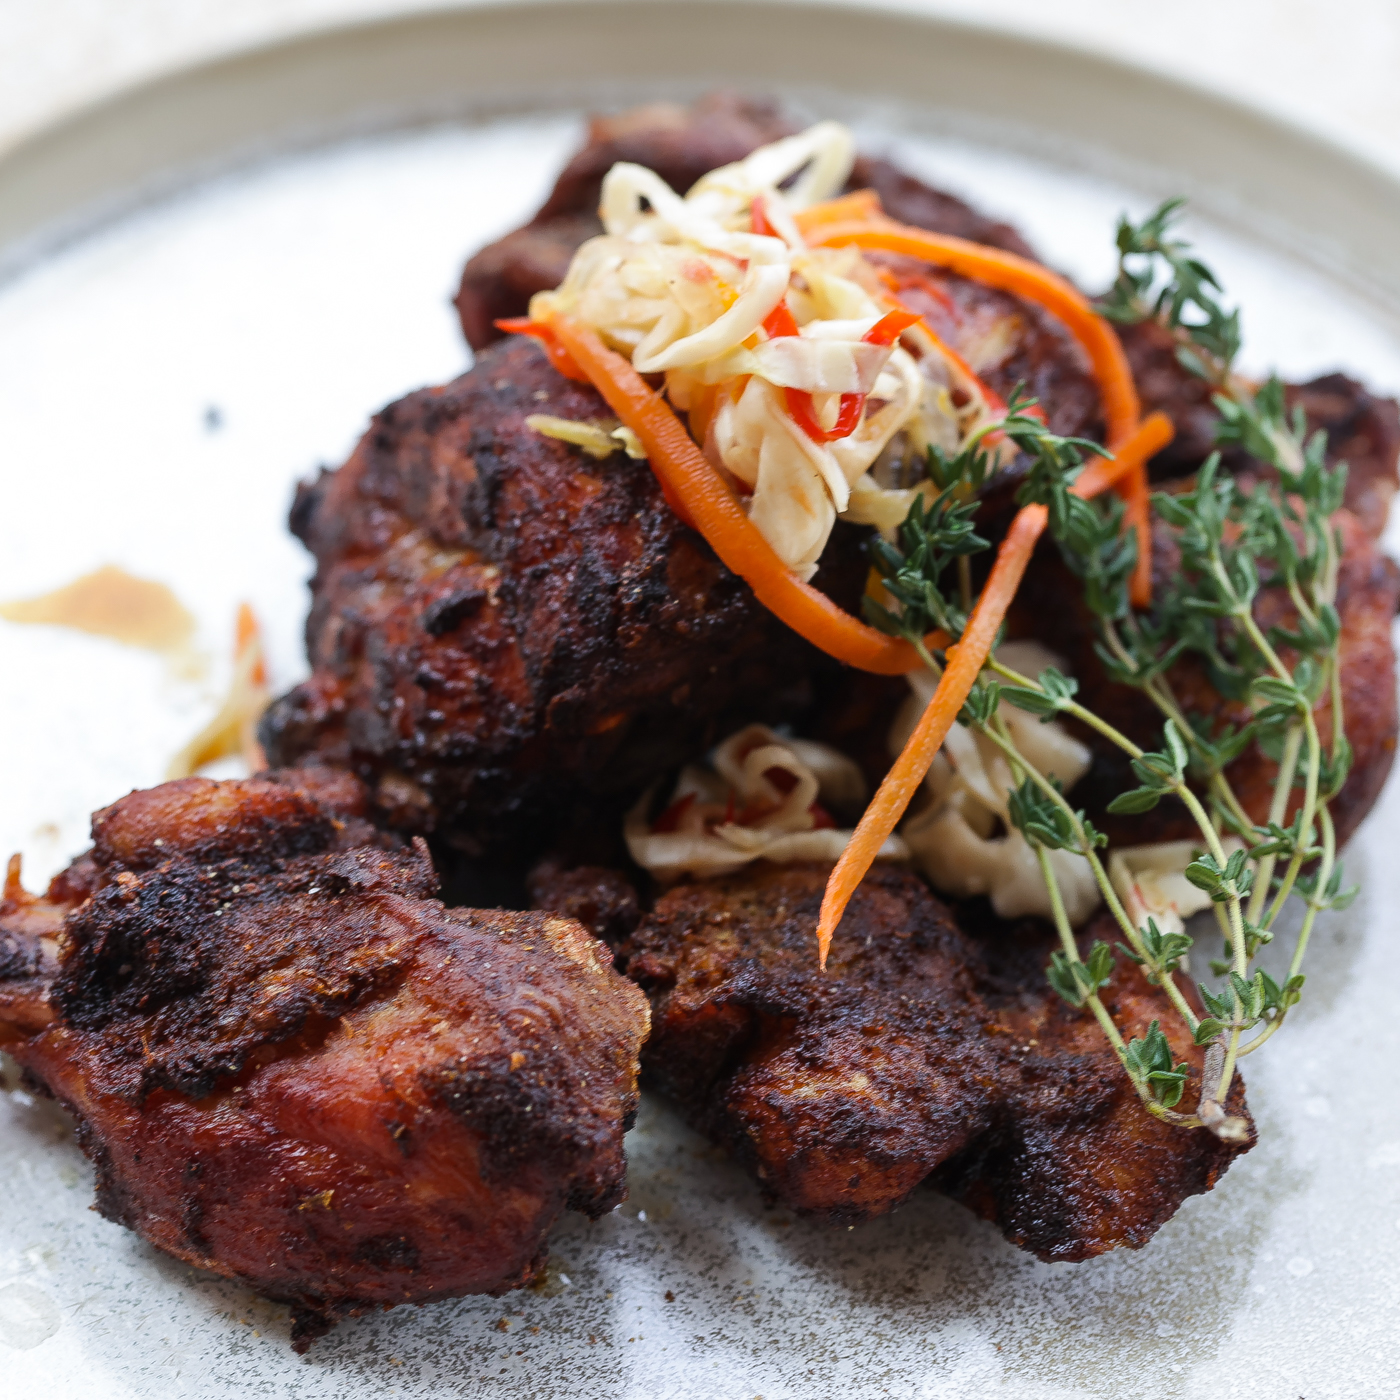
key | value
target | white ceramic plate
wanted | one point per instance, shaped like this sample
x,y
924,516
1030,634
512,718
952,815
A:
x,y
276,237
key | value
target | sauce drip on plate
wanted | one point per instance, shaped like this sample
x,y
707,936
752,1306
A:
x,y
110,602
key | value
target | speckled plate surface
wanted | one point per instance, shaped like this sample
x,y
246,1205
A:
x,y
275,238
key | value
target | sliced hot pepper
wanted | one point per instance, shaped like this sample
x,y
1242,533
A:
x,y
758,213
799,405
780,321
885,331
891,326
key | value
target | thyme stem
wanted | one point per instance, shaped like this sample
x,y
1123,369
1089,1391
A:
x,y
1093,1001
1110,895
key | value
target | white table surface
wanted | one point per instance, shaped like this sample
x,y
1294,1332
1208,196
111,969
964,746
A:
x,y
1329,63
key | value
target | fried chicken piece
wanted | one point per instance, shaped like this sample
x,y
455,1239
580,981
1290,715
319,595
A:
x,y
680,144
920,1054
840,1092
292,1066
503,628
1074,1165
1050,608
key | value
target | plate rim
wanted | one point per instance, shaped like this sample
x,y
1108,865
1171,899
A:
x,y
152,137
82,124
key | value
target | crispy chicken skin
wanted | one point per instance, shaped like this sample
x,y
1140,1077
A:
x,y
1074,1165
503,628
292,1066
921,1054
839,1092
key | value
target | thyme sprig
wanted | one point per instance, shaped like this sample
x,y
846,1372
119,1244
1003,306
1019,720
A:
x,y
1234,542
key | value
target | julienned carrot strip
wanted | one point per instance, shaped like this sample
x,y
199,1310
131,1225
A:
x,y
247,634
965,661
248,643
681,467
705,502
846,208
1129,458
996,268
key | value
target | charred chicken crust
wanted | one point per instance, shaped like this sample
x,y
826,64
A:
x,y
1074,1165
504,630
292,1066
922,1054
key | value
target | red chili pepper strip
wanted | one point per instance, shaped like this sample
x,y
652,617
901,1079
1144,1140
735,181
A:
x,y
891,326
799,405
885,331
558,356
780,322
758,213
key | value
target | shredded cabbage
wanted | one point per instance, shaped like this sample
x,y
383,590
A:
x,y
1151,881
755,800
683,286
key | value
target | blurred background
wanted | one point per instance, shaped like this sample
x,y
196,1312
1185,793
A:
x,y
1330,64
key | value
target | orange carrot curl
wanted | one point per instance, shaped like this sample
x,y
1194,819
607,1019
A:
x,y
857,207
1129,459
965,662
